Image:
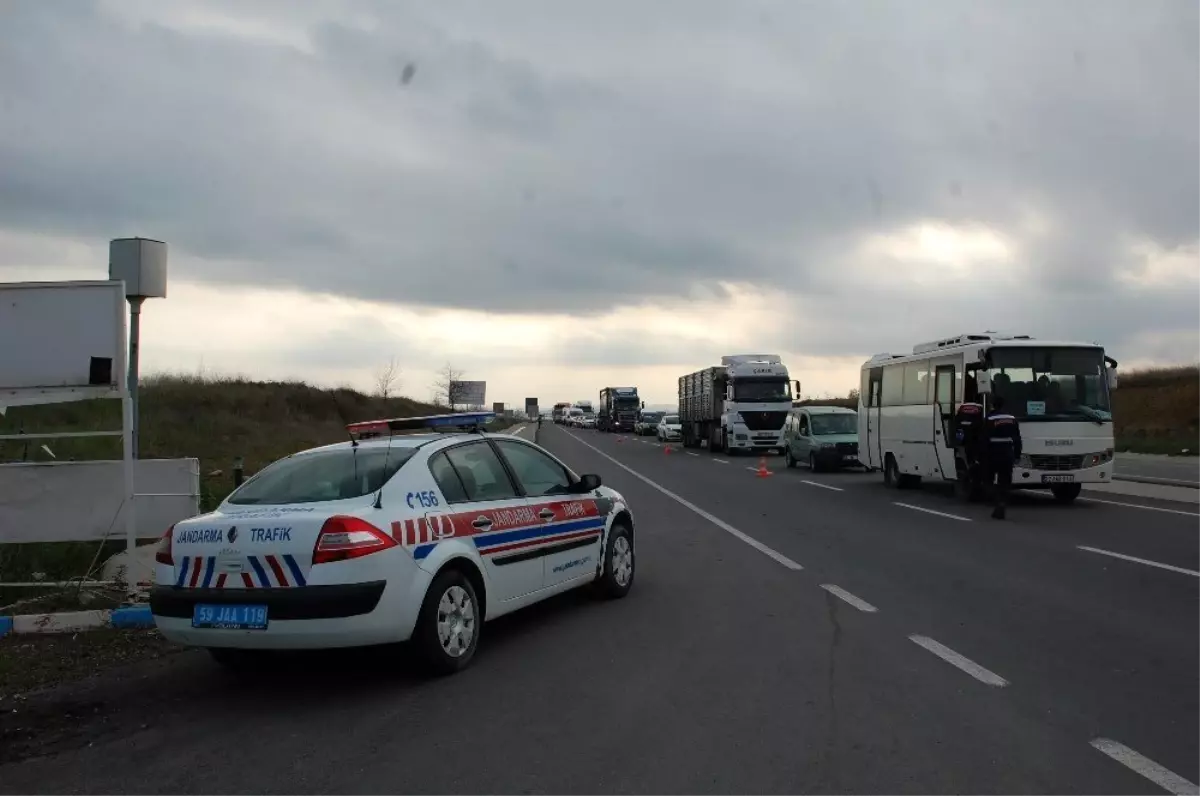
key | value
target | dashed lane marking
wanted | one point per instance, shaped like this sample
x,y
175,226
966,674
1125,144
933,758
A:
x,y
1145,561
931,511
823,486
1164,778
958,661
842,594
687,504
1140,506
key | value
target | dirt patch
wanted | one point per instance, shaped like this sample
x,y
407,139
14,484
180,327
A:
x,y
34,661
40,710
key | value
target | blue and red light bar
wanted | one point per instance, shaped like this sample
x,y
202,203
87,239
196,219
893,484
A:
x,y
464,421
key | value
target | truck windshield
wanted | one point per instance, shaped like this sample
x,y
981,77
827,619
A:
x,y
626,403
762,390
1051,383
834,424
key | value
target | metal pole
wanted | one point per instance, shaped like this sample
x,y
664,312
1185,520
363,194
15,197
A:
x,y
135,336
127,416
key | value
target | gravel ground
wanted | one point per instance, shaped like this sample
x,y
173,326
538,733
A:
x,y
45,678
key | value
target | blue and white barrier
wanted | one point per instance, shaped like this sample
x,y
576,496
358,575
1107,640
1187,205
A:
x,y
135,616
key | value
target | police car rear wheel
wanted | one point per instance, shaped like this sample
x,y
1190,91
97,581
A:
x,y
787,457
447,633
616,578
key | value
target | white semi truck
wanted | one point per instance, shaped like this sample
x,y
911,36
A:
x,y
741,405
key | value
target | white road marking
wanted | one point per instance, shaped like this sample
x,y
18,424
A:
x,y
1164,778
954,659
931,511
823,486
1140,506
721,461
724,526
752,469
689,453
1181,570
861,605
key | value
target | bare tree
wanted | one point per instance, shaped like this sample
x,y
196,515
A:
x,y
446,386
387,380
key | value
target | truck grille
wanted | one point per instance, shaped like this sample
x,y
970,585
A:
x,y
763,421
1056,462
847,447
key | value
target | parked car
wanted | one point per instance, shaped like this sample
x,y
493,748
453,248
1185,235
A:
x,y
647,423
823,437
390,537
669,429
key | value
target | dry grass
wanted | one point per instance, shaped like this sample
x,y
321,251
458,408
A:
x,y
1158,410
213,418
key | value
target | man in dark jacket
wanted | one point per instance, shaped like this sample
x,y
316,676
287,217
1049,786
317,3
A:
x,y
968,433
1002,435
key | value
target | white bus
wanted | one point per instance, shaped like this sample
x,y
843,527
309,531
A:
x,y
1059,391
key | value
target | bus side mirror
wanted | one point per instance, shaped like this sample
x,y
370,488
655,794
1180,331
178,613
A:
x,y
1111,375
797,383
983,382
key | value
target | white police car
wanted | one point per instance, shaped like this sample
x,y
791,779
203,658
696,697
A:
x,y
390,537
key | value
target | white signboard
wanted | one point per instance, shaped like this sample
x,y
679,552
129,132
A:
x,y
62,339
468,393
33,508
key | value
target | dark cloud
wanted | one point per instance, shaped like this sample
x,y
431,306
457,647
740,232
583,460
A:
x,y
545,160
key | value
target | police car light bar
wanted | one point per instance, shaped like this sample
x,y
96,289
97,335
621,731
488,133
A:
x,y
461,420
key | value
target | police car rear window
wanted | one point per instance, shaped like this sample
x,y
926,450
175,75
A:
x,y
338,474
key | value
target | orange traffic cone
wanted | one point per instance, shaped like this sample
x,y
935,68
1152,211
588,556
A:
x,y
666,448
762,471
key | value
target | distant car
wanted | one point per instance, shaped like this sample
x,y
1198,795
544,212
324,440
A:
x,y
823,437
417,536
669,429
588,421
647,423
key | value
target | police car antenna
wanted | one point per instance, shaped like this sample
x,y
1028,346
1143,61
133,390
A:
x,y
387,454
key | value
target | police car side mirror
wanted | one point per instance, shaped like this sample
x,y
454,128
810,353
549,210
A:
x,y
588,482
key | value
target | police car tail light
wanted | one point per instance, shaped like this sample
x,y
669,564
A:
x,y
342,538
162,553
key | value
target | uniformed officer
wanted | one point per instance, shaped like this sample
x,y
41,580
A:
x,y
1002,433
968,431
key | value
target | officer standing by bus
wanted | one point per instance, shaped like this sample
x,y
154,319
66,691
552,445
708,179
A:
x,y
968,435
1002,435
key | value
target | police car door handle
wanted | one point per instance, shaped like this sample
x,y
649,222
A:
x,y
482,523
546,514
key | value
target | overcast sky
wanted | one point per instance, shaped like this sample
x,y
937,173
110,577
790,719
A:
x,y
555,197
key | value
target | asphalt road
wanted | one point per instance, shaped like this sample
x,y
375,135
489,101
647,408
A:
x,y
1183,470
798,633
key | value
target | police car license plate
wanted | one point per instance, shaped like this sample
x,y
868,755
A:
x,y
230,617
1058,479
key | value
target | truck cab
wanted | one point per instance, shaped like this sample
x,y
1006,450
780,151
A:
x,y
758,399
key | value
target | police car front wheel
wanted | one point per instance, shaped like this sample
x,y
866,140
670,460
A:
x,y
447,632
616,578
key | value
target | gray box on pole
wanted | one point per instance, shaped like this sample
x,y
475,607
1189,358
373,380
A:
x,y
142,264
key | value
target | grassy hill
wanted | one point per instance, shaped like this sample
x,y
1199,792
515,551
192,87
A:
x,y
213,419
1158,410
